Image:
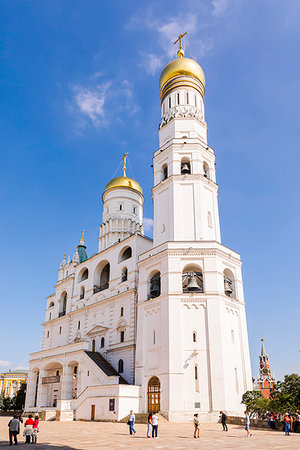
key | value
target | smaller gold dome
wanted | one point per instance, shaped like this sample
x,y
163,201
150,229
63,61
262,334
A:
x,y
124,182
182,66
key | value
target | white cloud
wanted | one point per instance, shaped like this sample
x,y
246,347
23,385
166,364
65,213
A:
x,y
220,7
148,224
21,368
90,101
5,363
151,62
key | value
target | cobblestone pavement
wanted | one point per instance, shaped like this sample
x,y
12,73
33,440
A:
x,y
96,435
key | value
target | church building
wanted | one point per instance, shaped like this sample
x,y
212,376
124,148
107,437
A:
x,y
151,325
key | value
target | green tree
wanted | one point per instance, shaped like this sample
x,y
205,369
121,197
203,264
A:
x,y
7,404
255,403
19,399
286,394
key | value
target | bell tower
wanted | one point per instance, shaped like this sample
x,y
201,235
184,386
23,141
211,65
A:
x,y
185,189
192,351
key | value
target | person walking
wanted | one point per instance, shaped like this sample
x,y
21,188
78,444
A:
x,y
130,422
247,424
149,425
28,429
196,426
154,425
14,430
35,429
223,418
287,422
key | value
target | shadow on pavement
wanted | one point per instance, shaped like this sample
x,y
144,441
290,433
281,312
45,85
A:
x,y
46,445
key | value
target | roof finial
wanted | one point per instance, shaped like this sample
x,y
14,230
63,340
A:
x,y
82,237
124,164
180,52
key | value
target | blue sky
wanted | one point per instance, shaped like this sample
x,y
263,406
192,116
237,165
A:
x,y
79,87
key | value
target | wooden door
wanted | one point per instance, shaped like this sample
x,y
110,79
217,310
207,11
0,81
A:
x,y
154,395
92,412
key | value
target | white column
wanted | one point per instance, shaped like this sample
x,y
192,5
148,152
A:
x,y
66,384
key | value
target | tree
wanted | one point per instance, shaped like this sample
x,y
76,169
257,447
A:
x,y
19,398
286,394
255,403
7,404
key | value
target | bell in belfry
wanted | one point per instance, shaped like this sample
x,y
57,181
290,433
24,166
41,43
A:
x,y
155,286
228,286
185,168
192,283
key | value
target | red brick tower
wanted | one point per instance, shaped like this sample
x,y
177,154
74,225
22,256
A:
x,y
266,380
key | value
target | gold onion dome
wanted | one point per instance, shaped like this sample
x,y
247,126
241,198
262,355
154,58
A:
x,y
124,182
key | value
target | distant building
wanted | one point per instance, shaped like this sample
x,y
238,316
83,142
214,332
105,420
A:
x,y
11,381
266,379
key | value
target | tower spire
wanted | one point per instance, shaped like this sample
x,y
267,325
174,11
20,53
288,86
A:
x,y
263,351
124,164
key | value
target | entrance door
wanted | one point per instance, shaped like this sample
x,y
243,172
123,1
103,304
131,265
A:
x,y
92,412
153,395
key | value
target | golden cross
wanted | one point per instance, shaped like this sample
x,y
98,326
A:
x,y
179,39
124,164
82,237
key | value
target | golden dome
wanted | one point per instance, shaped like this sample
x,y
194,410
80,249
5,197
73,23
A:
x,y
182,66
124,182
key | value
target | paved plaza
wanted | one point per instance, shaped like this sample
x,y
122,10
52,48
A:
x,y
96,435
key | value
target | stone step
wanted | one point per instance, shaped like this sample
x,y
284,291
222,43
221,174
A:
x,y
143,418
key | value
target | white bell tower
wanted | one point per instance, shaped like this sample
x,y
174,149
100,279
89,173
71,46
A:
x,y
185,190
192,351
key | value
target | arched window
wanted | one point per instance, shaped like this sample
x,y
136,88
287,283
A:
x,y
185,166
194,336
50,316
104,277
63,305
187,98
209,219
154,337
154,285
229,285
51,304
192,279
164,172
122,336
196,375
102,342
178,98
122,311
232,337
82,292
93,345
84,275
121,366
78,325
124,274
125,254
206,170
170,102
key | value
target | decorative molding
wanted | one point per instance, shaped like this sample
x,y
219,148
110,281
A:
x,y
181,111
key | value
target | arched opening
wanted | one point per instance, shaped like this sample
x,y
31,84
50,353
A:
x,y
83,275
122,311
196,374
63,304
154,395
51,304
125,254
51,392
82,292
164,172
101,276
124,274
194,336
206,170
192,279
102,342
93,345
154,285
121,366
185,166
229,286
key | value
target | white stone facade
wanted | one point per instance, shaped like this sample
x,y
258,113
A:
x,y
148,325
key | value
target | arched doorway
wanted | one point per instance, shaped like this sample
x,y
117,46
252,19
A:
x,y
153,395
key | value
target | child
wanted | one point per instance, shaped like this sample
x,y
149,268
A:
x,y
247,424
35,429
28,429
